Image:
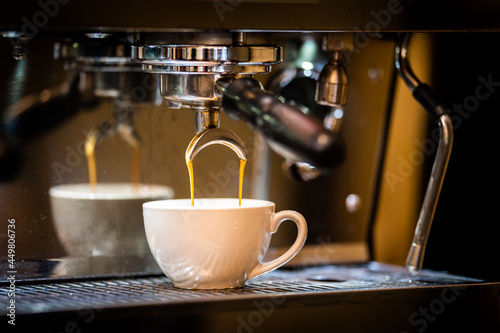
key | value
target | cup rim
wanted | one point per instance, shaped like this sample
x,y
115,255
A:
x,y
185,204
78,191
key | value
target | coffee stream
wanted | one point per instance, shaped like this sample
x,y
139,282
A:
x,y
191,179
90,153
136,165
90,145
240,183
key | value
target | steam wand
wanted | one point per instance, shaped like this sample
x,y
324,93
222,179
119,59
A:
x,y
425,96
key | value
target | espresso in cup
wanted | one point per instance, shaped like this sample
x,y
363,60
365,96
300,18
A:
x,y
217,243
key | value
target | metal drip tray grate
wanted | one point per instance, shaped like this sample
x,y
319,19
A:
x,y
52,297
55,296
309,299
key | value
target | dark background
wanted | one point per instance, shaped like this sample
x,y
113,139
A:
x,y
465,233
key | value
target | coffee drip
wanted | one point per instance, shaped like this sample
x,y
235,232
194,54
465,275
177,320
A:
x,y
90,146
125,130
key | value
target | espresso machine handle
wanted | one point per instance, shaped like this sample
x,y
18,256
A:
x,y
287,129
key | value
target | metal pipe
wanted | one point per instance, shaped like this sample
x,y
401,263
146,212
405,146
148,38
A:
x,y
424,95
415,258
403,65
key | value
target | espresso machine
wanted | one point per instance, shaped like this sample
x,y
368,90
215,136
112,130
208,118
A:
x,y
374,119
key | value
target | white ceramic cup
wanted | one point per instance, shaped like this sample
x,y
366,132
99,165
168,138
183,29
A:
x,y
105,223
216,243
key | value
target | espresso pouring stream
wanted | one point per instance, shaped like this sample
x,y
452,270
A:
x,y
192,150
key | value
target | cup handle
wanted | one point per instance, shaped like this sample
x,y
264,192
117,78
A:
x,y
276,220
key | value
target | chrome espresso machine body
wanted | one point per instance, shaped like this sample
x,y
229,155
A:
x,y
374,119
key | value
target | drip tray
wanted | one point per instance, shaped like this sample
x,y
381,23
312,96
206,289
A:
x,y
315,294
143,291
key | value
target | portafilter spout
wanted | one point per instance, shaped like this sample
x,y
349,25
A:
x,y
425,96
205,118
211,136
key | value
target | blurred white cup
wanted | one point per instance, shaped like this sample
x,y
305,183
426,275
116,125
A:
x,y
107,222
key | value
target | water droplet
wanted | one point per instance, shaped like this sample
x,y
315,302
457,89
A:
x,y
18,52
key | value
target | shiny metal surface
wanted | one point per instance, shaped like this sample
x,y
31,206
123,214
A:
x,y
333,82
212,136
350,277
86,267
402,63
192,90
53,296
205,118
332,85
319,298
189,72
289,131
295,83
90,52
230,59
415,258
106,69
